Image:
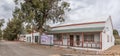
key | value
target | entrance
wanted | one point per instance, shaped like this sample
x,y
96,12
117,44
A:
x,y
36,39
71,40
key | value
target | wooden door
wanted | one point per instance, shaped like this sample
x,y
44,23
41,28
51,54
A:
x,y
71,40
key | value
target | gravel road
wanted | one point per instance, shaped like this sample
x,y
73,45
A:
x,y
8,48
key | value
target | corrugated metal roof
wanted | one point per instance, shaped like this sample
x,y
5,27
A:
x,y
78,30
91,24
68,22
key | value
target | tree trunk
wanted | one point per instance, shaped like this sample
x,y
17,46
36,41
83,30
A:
x,y
40,33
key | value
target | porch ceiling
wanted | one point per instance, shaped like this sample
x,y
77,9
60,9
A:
x,y
78,30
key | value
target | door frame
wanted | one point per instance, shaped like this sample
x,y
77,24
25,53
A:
x,y
71,40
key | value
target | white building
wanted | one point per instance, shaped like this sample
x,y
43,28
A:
x,y
22,37
94,35
33,37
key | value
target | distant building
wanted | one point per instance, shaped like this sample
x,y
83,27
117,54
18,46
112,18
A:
x,y
33,37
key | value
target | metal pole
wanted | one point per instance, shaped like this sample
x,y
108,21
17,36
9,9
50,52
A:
x,y
50,42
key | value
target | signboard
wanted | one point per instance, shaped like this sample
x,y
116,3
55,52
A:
x,y
47,39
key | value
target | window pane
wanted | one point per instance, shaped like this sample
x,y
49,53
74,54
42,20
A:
x,y
58,37
77,38
89,38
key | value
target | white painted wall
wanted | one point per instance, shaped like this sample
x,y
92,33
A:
x,y
65,39
30,36
22,37
97,37
107,34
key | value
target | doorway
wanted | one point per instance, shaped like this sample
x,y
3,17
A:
x,y
71,40
36,39
77,39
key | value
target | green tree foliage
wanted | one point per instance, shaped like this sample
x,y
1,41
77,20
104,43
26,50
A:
x,y
0,34
28,29
1,24
38,12
14,26
115,32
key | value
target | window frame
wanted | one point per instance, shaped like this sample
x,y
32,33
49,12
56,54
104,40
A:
x,y
89,38
58,37
77,39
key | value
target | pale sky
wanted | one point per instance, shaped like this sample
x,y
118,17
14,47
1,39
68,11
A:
x,y
80,10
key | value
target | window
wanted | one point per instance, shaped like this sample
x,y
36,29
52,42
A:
x,y
89,38
107,38
36,38
77,39
64,36
58,37
111,38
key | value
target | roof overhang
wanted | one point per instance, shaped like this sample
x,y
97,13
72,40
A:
x,y
93,29
79,24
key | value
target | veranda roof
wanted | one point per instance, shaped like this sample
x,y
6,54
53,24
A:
x,y
95,29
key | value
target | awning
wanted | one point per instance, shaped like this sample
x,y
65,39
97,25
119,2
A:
x,y
95,29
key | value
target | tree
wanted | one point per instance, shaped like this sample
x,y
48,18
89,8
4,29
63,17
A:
x,y
1,24
14,26
115,32
28,29
39,12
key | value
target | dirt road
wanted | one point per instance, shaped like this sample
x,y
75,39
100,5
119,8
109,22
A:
x,y
8,48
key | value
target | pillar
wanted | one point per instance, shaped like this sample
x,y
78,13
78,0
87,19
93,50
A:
x,y
100,40
82,39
